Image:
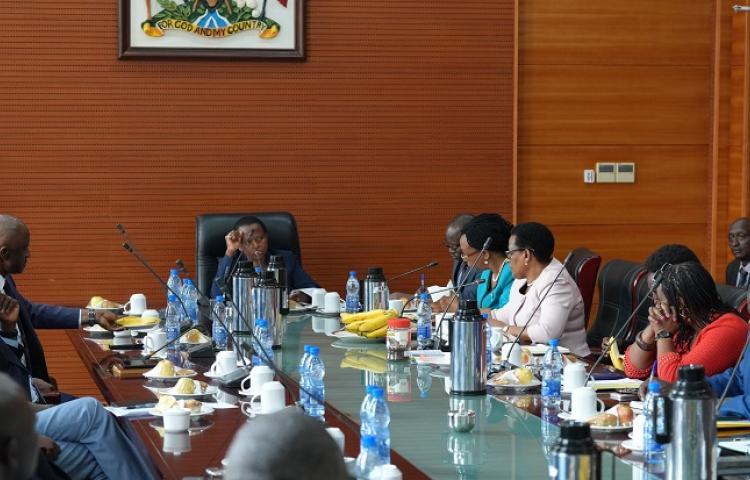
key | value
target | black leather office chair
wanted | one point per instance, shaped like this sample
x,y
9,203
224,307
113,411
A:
x,y
618,284
210,246
735,298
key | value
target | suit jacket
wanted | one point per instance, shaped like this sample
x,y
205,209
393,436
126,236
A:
x,y
469,292
733,270
297,277
11,365
37,315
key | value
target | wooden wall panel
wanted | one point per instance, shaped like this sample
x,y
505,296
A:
x,y
400,117
623,82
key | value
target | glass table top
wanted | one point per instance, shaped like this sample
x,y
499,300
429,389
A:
x,y
507,442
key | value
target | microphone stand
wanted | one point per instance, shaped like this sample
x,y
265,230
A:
x,y
433,263
539,304
658,277
462,283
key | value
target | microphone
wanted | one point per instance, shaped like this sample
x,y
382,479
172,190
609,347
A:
x,y
461,285
433,263
446,289
658,277
539,303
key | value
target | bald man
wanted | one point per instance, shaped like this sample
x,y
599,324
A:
x,y
19,338
19,447
738,271
286,445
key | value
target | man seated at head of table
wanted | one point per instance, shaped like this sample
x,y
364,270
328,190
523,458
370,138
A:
x,y
688,324
494,267
15,239
286,445
249,237
86,438
560,315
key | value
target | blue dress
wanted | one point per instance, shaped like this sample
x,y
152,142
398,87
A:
x,y
498,296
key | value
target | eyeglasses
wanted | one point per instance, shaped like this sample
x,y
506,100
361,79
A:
x,y
466,258
256,239
509,253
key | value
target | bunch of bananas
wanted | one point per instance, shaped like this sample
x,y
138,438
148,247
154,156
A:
x,y
372,324
372,361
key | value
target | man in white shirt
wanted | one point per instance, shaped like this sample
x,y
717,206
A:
x,y
541,278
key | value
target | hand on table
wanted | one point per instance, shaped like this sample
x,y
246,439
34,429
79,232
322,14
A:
x,y
49,448
107,319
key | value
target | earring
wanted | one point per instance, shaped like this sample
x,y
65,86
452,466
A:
x,y
683,313
526,263
486,262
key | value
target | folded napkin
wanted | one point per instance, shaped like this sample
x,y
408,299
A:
x,y
616,384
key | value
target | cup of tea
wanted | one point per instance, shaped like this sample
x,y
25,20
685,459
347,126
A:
x,y
154,340
226,362
584,405
511,353
331,303
574,376
176,420
259,376
318,298
136,305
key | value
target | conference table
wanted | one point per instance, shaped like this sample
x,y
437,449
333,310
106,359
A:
x,y
509,440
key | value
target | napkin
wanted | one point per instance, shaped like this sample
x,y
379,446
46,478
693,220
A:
x,y
129,412
615,384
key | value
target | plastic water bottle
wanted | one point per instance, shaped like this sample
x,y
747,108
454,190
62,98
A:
x,y
424,380
352,293
219,319
316,372
365,426
422,287
264,343
174,282
652,450
488,341
190,299
368,458
424,321
380,421
551,375
304,399
172,318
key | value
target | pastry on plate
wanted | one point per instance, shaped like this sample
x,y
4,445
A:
x,y
193,405
518,376
165,368
165,403
603,420
193,336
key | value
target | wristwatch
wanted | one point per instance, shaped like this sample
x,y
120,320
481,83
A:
x,y
91,317
663,334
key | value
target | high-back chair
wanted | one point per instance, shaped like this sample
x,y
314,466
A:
x,y
210,246
618,283
583,266
735,298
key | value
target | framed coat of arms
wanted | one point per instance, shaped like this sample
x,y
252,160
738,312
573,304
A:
x,y
211,28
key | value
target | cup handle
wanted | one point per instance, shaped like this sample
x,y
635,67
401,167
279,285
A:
x,y
214,368
600,407
125,308
147,344
254,398
246,380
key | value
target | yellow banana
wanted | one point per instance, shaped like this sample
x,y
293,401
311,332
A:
x,y
354,326
374,324
354,317
379,333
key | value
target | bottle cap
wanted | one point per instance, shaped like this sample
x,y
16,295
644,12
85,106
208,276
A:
x,y
485,316
369,388
377,392
654,387
554,342
314,350
306,348
353,273
424,296
368,441
174,271
258,269
219,298
261,323
570,430
172,297
399,323
187,281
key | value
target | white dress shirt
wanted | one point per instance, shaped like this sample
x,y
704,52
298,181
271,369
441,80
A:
x,y
561,314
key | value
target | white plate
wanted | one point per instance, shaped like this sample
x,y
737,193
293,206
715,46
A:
x,y
598,429
204,339
532,384
210,390
349,337
153,376
541,349
97,330
205,410
301,309
630,445
214,376
191,430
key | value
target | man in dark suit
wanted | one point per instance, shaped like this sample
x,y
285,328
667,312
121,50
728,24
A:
x,y
461,273
738,271
21,337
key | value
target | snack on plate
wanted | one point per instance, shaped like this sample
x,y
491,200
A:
x,y
165,403
182,372
526,356
193,336
101,302
185,386
165,368
603,420
518,376
624,414
193,405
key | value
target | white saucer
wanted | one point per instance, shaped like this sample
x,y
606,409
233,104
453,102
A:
x,y
247,393
630,445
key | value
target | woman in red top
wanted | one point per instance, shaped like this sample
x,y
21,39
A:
x,y
688,324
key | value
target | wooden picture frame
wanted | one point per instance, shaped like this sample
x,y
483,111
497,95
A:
x,y
211,29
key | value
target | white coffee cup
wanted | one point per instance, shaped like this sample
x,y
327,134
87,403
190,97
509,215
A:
x,y
176,420
259,376
584,404
176,443
154,340
338,437
387,472
272,397
318,298
511,353
226,362
136,305
639,430
574,376
396,304
331,303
